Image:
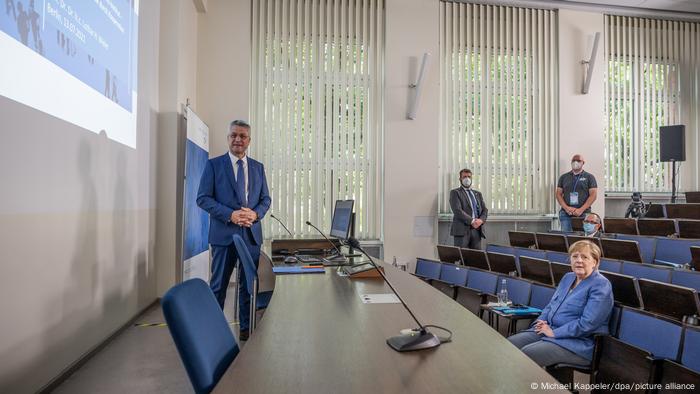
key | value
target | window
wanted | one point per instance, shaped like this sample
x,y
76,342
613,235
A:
x,y
499,105
651,70
316,109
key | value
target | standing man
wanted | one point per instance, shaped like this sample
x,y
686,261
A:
x,y
233,190
576,192
469,213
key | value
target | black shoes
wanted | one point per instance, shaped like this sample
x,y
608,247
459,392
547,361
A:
x,y
243,336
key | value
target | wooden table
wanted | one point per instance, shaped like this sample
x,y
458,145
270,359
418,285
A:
x,y
318,337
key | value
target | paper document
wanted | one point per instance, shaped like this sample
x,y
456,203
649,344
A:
x,y
389,298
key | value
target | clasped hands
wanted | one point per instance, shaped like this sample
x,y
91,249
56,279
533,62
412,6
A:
x,y
244,217
574,211
542,327
477,223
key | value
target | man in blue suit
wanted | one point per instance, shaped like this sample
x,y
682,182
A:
x,y
233,190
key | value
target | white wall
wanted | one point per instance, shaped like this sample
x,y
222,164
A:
x,y
581,116
410,146
76,230
224,69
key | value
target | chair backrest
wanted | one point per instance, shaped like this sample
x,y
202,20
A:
x,y
688,228
553,242
540,295
621,249
503,263
692,197
266,276
695,262
534,253
449,254
577,224
251,271
658,336
683,211
558,271
475,258
675,251
558,257
647,271
661,227
518,289
428,269
523,239
538,270
625,289
690,356
669,300
610,265
656,211
572,239
454,274
499,249
621,226
482,281
200,331
686,278
647,246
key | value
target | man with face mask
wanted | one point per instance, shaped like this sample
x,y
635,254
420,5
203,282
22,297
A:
x,y
592,225
576,192
469,213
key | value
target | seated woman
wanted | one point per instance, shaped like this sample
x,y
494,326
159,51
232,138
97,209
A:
x,y
579,309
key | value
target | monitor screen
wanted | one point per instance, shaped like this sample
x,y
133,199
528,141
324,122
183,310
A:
x,y
342,217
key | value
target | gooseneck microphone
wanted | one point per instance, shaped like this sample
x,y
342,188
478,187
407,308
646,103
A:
x,y
423,339
324,236
282,223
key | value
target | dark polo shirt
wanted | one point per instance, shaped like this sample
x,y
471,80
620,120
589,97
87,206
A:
x,y
581,182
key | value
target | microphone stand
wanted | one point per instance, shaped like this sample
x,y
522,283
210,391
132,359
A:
x,y
402,343
285,227
339,254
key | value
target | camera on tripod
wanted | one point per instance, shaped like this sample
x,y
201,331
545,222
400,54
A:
x,y
637,208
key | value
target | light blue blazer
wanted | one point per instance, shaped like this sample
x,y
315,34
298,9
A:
x,y
217,195
577,316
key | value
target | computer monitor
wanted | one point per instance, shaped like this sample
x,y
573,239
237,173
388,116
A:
x,y
342,219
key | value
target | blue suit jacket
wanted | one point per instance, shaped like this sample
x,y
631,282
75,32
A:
x,y
217,195
576,317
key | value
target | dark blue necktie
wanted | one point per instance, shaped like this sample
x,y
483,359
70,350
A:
x,y
240,183
475,207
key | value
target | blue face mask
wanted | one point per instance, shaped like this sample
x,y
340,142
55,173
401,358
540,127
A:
x,y
588,228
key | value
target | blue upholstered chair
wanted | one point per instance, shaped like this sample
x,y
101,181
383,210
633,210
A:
x,y
673,251
200,332
558,257
610,265
647,271
260,299
690,356
540,295
428,269
686,278
687,370
499,249
451,276
658,336
647,245
482,281
518,289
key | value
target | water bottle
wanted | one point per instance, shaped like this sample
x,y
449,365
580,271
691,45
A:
x,y
503,294
395,263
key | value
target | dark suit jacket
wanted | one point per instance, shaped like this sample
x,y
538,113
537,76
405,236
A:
x,y
217,195
463,213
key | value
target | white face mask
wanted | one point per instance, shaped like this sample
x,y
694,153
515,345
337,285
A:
x,y
576,165
467,182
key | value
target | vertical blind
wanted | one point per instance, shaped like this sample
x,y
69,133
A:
x,y
499,86
316,109
652,68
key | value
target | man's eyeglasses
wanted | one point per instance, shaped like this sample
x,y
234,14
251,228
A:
x,y
241,137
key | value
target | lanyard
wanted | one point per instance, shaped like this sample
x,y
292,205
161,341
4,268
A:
x,y
577,179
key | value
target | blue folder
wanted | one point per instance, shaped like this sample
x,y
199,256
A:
x,y
298,270
518,311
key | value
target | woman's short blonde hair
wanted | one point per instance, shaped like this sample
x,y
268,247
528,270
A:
x,y
585,244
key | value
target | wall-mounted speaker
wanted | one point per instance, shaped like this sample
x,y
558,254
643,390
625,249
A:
x,y
672,140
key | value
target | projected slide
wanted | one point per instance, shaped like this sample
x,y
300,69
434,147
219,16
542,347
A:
x,y
73,59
